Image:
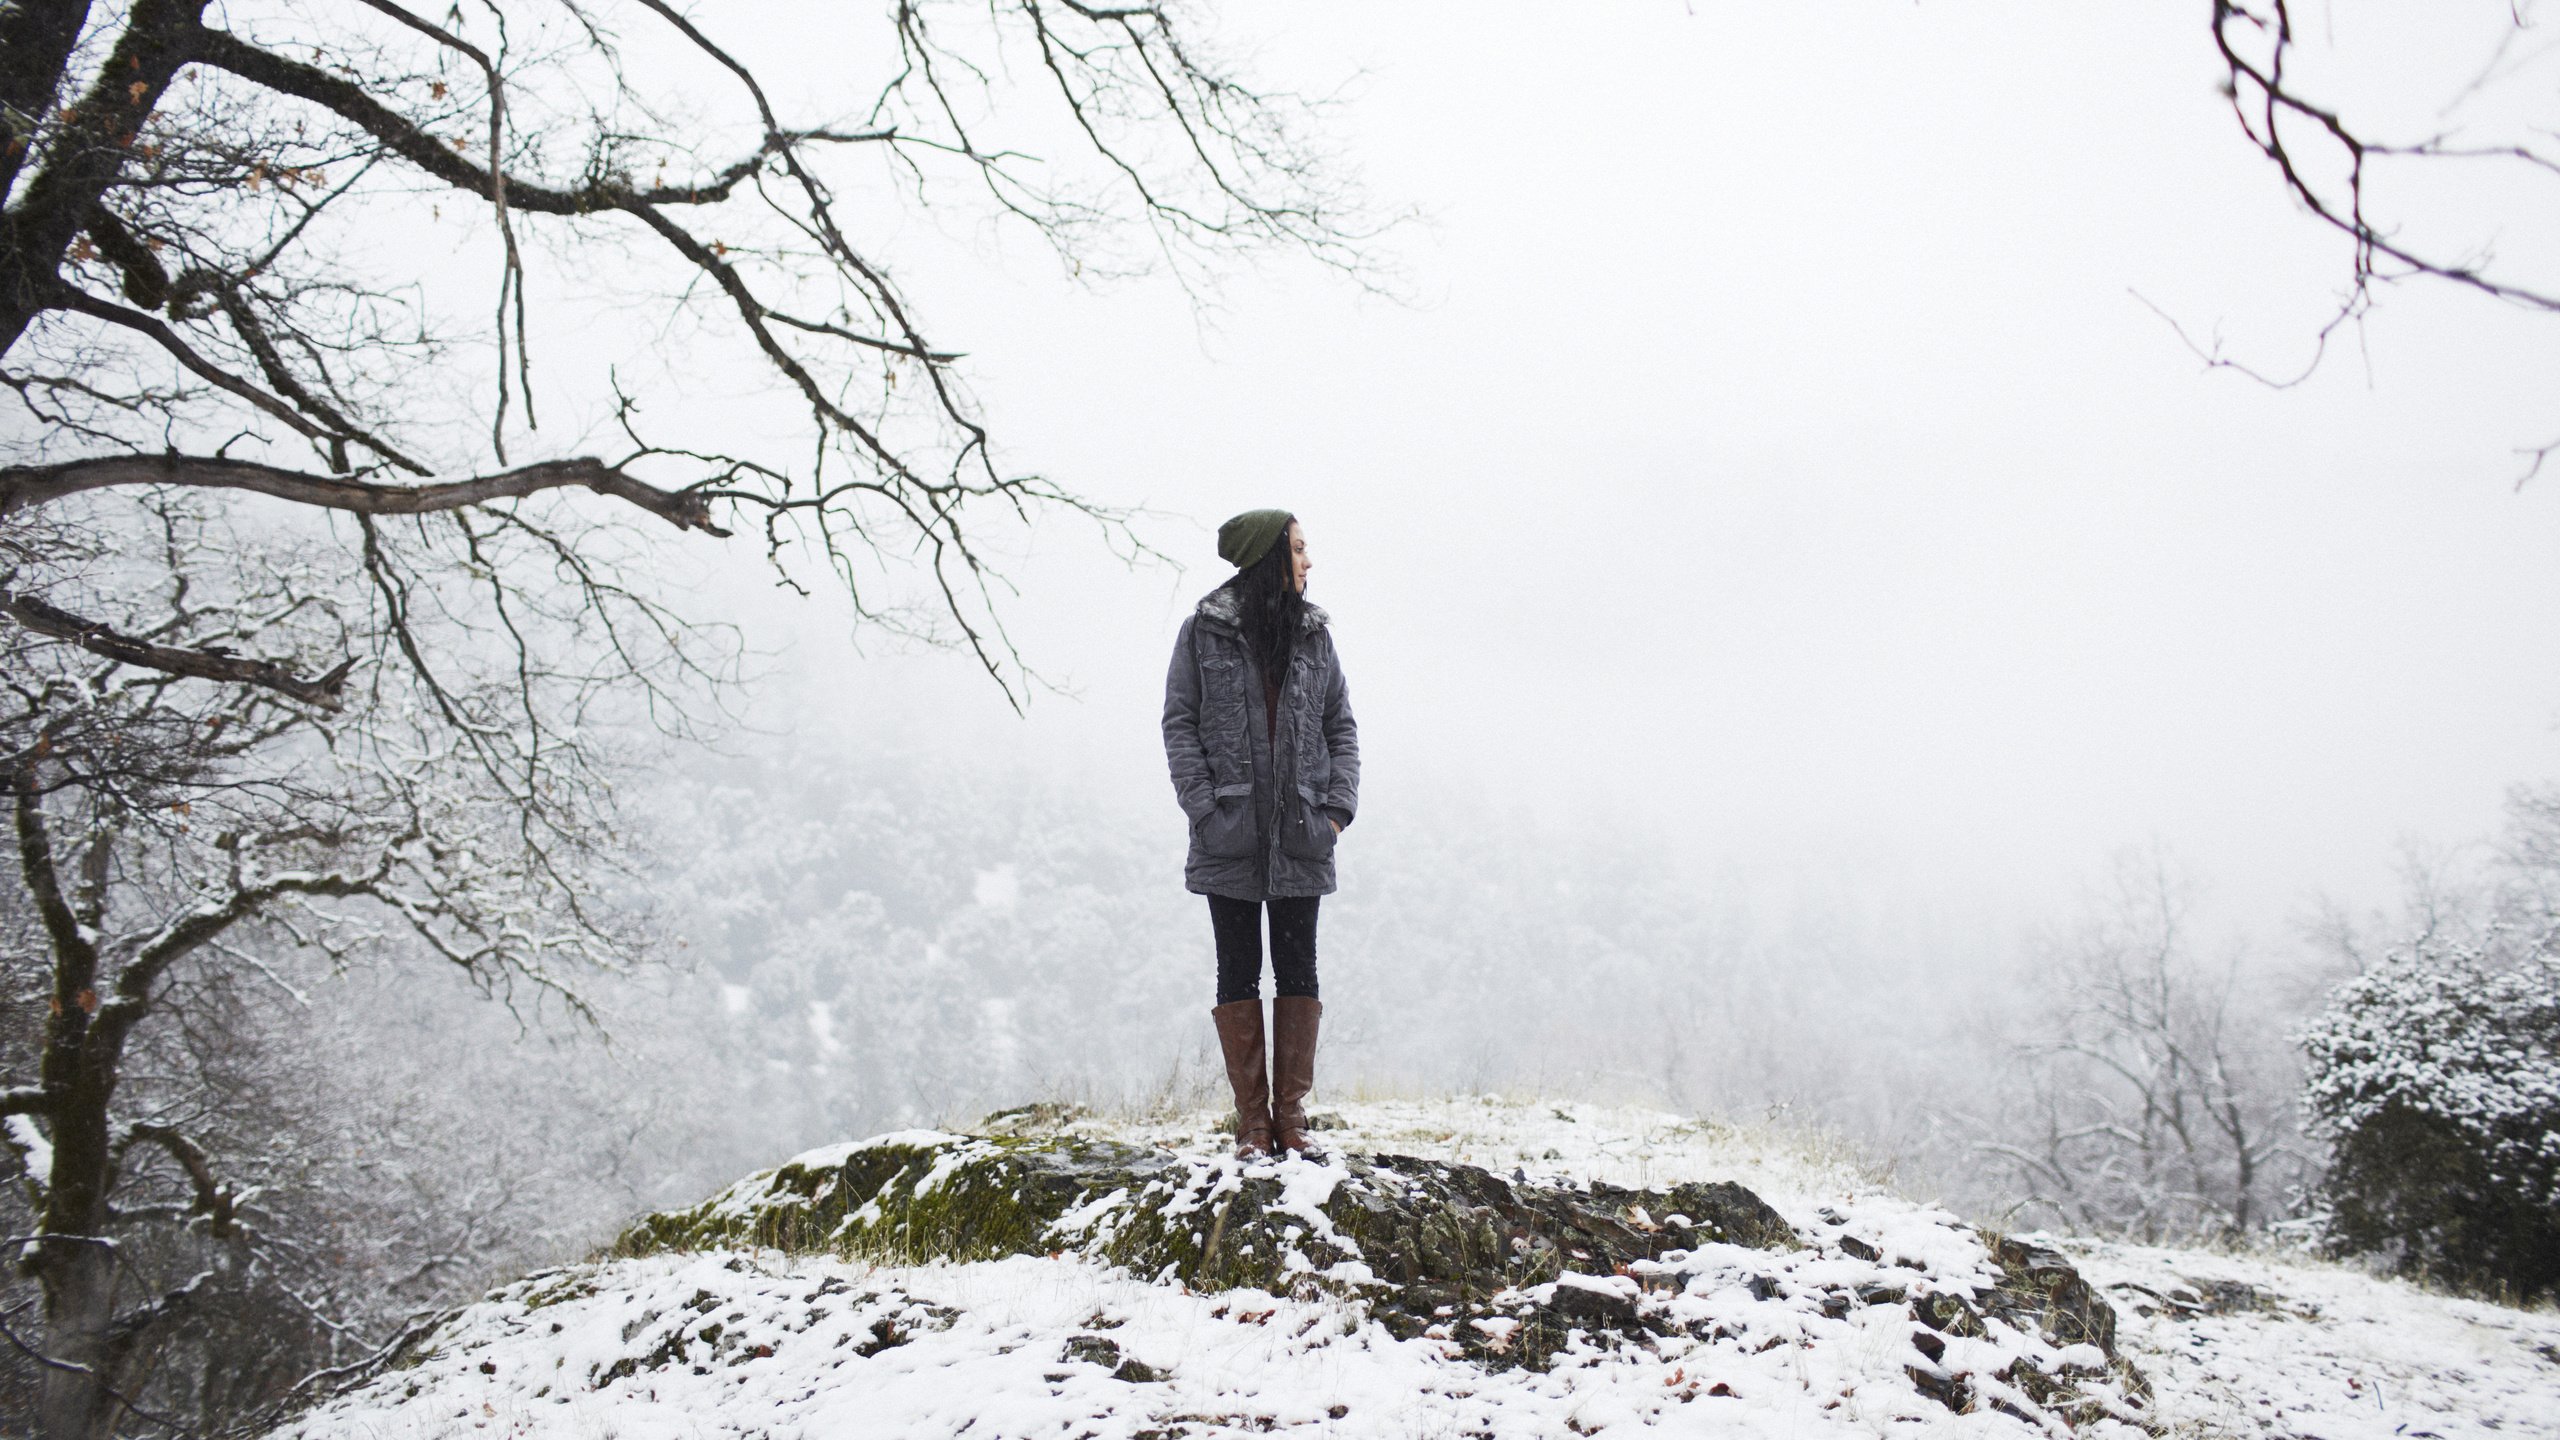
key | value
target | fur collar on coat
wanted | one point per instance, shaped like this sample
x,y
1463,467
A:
x,y
1220,605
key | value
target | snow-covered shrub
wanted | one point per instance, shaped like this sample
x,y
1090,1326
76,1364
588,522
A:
x,y
2436,1077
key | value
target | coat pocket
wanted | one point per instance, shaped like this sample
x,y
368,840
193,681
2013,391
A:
x,y
1227,830
1306,831
1222,687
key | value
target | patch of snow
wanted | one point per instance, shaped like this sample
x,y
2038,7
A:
x,y
2255,1345
1083,1217
733,1345
834,1156
32,1147
944,1166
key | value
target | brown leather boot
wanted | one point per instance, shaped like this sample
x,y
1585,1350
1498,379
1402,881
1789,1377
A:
x,y
1240,1040
1293,1068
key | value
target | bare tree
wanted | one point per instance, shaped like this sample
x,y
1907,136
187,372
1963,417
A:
x,y
165,829
2161,1094
314,642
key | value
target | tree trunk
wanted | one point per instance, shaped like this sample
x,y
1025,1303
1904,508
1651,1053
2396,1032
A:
x,y
76,1260
75,1257
97,130
79,1312
36,37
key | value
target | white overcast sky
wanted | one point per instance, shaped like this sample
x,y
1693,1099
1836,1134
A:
x,y
1775,457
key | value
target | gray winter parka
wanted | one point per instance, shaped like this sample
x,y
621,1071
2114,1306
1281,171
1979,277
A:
x,y
1259,827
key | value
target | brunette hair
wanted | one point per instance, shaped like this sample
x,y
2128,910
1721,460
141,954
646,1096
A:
x,y
1271,609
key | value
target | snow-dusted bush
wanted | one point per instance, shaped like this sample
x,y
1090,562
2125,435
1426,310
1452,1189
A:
x,y
2436,1076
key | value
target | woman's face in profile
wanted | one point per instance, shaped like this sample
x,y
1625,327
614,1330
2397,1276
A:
x,y
1299,564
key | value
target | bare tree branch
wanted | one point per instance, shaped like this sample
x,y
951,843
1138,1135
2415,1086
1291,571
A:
x,y
24,486
2307,139
76,954
98,639
26,1100
213,1201
349,101
151,328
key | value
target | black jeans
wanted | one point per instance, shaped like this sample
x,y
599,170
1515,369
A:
x,y
1238,924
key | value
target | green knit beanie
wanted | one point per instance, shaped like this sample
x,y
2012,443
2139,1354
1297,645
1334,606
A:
x,y
1248,537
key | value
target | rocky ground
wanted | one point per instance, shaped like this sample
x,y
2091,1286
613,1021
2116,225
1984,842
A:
x,y
1459,1268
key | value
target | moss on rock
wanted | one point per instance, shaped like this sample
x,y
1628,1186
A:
x,y
1419,1240
1209,1222
1501,1271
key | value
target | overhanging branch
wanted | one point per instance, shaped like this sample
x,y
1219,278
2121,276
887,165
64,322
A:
x,y
98,639
405,138
23,486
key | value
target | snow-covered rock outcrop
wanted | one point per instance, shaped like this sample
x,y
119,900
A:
x,y
1500,1271
1464,1268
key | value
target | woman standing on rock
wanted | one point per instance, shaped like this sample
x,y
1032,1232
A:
x,y
1266,764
